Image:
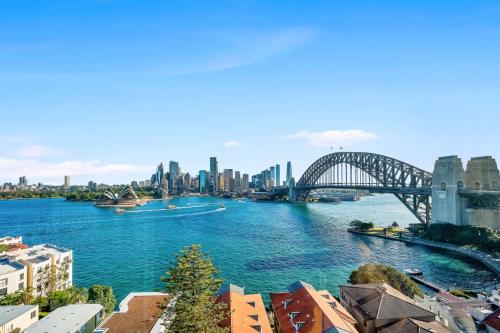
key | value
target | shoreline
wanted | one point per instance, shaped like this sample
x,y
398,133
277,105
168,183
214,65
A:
x,y
483,258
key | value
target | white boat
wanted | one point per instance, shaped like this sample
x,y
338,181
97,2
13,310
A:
x,y
119,211
413,271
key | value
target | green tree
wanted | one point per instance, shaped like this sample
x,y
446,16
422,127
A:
x,y
361,226
71,295
193,281
379,273
103,295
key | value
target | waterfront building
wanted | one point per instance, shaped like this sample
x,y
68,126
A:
x,y
272,176
228,180
46,267
288,172
186,183
304,309
142,184
237,181
174,174
67,182
10,240
84,318
17,318
277,178
202,176
23,181
134,184
376,307
244,182
138,312
126,198
246,313
214,174
221,181
92,186
12,276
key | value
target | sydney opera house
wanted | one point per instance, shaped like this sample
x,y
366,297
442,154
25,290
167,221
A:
x,y
126,198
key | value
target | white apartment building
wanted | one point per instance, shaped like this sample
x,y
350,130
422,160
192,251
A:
x,y
11,240
17,318
12,276
46,267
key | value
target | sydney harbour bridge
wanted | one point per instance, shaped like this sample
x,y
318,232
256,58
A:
x,y
382,174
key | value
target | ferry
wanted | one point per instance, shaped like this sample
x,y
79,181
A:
x,y
413,272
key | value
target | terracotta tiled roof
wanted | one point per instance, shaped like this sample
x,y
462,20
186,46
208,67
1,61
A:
x,y
247,313
493,320
310,310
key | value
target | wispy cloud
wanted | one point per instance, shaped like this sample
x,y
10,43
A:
x,y
332,137
232,144
13,168
247,49
232,50
37,151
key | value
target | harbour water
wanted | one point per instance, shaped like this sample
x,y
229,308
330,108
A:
x,y
261,246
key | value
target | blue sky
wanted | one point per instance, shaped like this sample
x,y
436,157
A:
x,y
106,89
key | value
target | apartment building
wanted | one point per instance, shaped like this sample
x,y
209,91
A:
x,y
17,318
246,312
40,268
304,309
81,318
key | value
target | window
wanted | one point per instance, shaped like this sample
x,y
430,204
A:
x,y
254,317
3,282
326,296
477,186
442,186
21,276
33,314
299,325
293,315
21,285
286,302
3,291
252,304
256,327
333,305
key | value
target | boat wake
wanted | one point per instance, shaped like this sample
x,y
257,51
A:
x,y
165,209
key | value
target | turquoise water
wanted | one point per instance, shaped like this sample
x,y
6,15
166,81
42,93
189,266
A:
x,y
261,246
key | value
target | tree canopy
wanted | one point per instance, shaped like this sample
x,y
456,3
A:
x,y
379,273
103,295
193,281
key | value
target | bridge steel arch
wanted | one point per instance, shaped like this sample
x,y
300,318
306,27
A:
x,y
411,185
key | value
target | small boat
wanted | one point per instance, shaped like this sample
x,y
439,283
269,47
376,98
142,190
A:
x,y
119,211
222,206
170,206
413,272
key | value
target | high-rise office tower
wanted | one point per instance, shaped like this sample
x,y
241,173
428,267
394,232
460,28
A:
x,y
288,172
202,178
228,180
214,172
174,174
244,182
67,180
278,176
237,181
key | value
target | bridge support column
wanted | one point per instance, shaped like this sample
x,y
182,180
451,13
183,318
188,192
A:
x,y
448,177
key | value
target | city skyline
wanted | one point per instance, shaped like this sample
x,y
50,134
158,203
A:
x,y
252,83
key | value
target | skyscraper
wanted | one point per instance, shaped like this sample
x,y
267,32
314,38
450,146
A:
x,y
272,175
23,181
174,173
244,182
202,177
228,180
288,172
237,181
278,176
67,180
214,172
